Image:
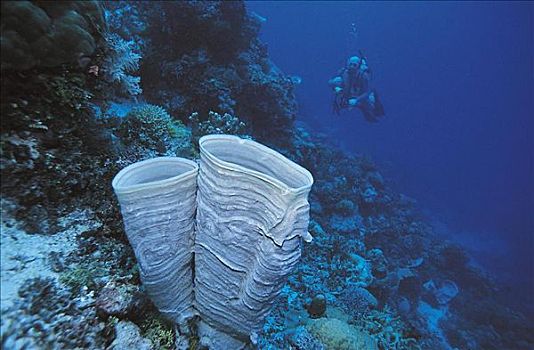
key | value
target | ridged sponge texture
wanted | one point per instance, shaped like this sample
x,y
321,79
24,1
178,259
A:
x,y
252,211
158,204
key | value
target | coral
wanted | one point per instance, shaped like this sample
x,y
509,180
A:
x,y
201,57
148,124
68,92
379,262
205,56
50,33
346,207
433,318
21,151
269,101
387,329
302,339
215,123
346,225
369,195
358,301
44,94
120,62
223,28
338,335
444,292
49,317
359,271
482,324
99,258
160,332
50,110
151,128
125,20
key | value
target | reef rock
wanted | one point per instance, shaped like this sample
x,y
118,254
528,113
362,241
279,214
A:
x,y
118,300
127,337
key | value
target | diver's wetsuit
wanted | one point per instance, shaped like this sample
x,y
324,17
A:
x,y
356,85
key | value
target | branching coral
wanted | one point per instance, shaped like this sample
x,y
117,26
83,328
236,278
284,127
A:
x,y
152,127
216,123
120,62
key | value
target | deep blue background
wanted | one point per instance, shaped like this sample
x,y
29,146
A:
x,y
457,83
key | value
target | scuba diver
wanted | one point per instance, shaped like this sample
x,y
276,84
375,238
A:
x,y
351,89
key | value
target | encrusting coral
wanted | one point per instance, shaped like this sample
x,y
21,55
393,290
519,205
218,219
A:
x,y
338,335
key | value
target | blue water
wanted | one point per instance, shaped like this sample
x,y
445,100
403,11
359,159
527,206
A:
x,y
457,83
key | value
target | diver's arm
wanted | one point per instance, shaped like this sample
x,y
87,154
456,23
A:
x,y
361,97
